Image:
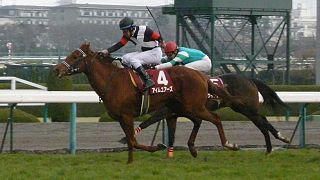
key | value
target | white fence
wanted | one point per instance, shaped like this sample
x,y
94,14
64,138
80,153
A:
x,y
19,97
40,96
14,80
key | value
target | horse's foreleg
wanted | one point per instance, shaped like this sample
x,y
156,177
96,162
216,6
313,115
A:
x,y
127,125
142,126
150,148
171,122
155,117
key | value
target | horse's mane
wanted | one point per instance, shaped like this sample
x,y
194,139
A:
x,y
115,61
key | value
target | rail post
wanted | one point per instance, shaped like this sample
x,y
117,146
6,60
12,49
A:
x,y
73,128
303,116
45,113
9,125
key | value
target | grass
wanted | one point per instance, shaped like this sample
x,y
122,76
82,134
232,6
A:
x,y
286,164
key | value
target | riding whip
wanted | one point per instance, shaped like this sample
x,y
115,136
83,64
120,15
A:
x,y
154,21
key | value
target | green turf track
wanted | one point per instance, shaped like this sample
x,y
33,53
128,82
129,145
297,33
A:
x,y
283,164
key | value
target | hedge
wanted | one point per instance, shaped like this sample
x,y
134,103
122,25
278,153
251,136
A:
x,y
18,116
59,112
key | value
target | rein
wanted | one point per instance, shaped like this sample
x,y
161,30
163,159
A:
x,y
89,70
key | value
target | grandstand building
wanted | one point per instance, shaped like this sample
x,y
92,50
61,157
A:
x,y
66,14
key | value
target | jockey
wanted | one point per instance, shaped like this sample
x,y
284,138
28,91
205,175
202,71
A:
x,y
191,58
149,52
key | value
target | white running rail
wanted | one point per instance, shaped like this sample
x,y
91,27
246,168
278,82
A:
x,y
14,81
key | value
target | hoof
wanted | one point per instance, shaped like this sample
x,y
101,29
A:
x,y
286,140
193,152
123,140
283,138
161,146
233,147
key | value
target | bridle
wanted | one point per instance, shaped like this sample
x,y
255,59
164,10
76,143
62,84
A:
x,y
73,68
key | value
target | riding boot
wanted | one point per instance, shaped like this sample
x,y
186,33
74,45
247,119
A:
x,y
145,77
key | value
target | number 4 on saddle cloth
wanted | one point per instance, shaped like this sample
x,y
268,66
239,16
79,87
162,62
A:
x,y
163,82
161,78
164,85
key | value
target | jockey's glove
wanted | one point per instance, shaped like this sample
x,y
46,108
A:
x,y
105,52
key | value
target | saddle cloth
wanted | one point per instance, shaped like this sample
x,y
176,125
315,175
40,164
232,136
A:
x,y
161,78
217,82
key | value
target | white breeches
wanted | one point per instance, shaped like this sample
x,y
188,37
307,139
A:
x,y
203,65
136,59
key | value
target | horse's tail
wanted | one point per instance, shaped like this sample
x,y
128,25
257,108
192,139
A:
x,y
270,97
223,94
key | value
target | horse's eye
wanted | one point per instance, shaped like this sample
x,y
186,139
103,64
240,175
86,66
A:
x,y
74,56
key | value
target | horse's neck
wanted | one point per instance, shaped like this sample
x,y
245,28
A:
x,y
99,76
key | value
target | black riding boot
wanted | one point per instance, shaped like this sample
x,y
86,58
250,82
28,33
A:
x,y
145,77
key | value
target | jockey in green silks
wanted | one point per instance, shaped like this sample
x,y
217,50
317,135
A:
x,y
191,58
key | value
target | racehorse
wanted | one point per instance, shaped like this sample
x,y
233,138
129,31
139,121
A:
x,y
122,99
246,89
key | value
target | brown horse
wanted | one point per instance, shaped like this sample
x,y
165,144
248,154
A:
x,y
122,99
245,89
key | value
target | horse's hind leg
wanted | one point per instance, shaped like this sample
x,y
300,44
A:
x,y
263,127
274,132
196,125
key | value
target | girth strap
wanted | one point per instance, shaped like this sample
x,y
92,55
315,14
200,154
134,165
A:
x,y
145,103
145,97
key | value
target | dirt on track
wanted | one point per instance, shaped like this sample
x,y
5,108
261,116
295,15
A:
x,y
95,136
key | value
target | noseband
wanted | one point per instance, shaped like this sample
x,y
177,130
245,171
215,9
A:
x,y
73,68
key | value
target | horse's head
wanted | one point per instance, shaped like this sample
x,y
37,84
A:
x,y
74,62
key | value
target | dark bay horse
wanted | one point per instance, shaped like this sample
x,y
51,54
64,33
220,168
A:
x,y
247,90
122,99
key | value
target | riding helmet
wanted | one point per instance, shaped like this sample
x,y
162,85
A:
x,y
171,46
126,23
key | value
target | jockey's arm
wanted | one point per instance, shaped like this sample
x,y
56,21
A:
x,y
123,41
155,36
175,61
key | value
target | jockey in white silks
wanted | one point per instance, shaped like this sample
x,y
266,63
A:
x,y
149,53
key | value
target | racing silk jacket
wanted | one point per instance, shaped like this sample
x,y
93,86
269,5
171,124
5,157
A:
x,y
142,36
184,56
